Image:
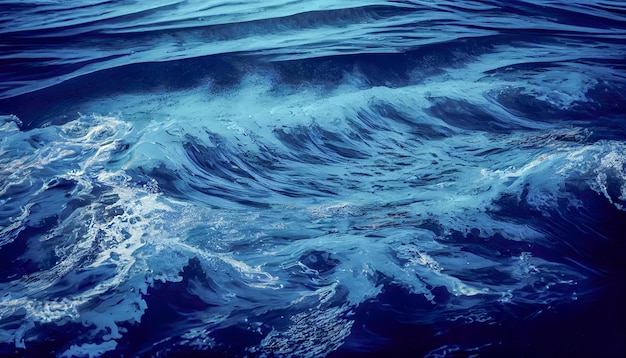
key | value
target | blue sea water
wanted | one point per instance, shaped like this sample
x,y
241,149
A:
x,y
312,178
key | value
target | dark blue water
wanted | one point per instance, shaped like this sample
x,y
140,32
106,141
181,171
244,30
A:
x,y
306,179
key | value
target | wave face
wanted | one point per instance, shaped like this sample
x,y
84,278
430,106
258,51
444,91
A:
x,y
312,178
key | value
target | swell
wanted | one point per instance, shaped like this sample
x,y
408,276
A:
x,y
506,58
47,44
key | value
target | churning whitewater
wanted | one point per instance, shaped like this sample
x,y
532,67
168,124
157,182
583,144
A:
x,y
312,178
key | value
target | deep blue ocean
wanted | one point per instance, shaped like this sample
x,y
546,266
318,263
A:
x,y
288,178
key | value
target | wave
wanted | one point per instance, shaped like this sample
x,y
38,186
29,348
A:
x,y
61,41
311,179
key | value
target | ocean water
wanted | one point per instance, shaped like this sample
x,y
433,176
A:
x,y
312,178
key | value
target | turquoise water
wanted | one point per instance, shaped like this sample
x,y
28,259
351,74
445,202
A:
x,y
305,179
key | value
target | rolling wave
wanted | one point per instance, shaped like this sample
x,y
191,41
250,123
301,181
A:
x,y
65,40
